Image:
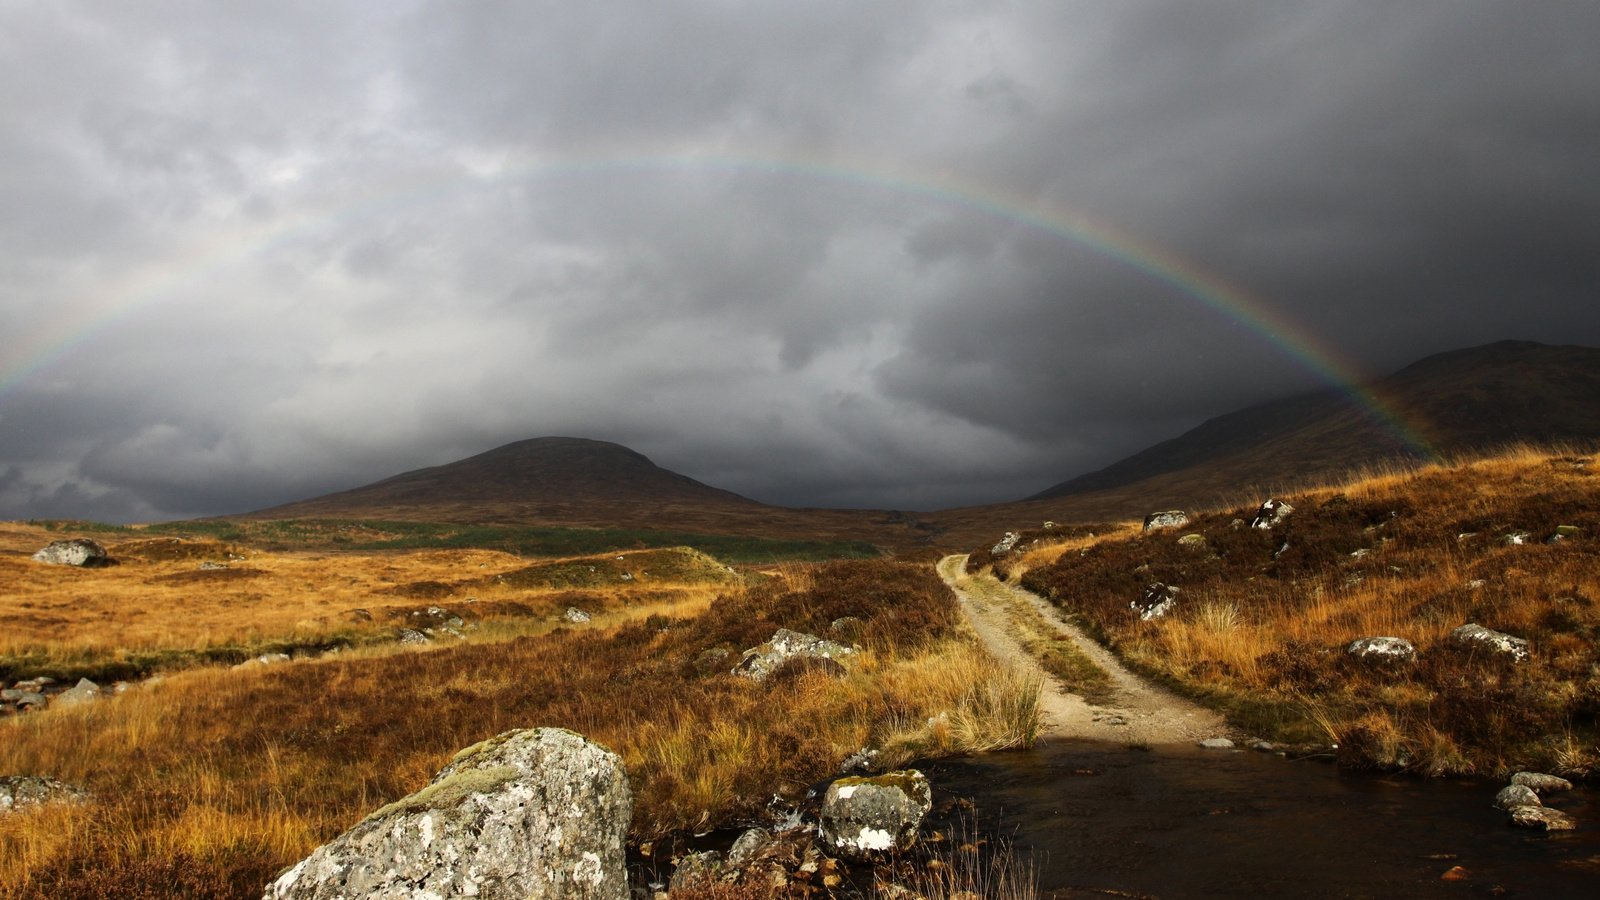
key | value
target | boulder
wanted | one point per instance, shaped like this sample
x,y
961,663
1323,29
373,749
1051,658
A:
x,y
1167,518
759,662
1006,544
19,792
1541,783
863,818
1514,795
530,813
85,691
575,615
1476,637
76,552
1156,601
413,636
1543,818
1271,513
1382,649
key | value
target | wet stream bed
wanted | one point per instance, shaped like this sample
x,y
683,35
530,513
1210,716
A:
x,y
1101,820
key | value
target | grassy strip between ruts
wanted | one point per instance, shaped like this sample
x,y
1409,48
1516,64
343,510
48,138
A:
x,y
1040,639
208,783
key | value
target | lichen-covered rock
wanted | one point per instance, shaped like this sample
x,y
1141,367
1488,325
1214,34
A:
x,y
76,552
1382,650
1543,818
413,637
1167,518
1517,538
1514,795
863,818
759,662
1194,542
1541,783
530,813
18,792
1006,544
1271,514
85,691
1157,600
1476,637
575,615
698,870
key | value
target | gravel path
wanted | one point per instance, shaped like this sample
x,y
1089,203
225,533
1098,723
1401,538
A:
x,y
1138,711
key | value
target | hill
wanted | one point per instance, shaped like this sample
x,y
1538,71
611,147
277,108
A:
x,y
1458,403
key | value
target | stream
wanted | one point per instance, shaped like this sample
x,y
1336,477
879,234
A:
x,y
1103,820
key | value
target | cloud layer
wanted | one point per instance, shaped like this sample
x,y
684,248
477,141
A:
x,y
837,253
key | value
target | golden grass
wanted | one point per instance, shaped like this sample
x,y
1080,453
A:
x,y
1263,617
208,782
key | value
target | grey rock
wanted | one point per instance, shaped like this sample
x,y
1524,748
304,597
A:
x,y
530,813
1157,600
1167,518
697,870
1217,743
575,615
1514,795
747,846
76,552
865,818
712,659
1271,513
1543,818
1541,783
209,566
1476,637
413,636
1006,544
18,792
85,691
1382,649
1195,542
759,662
846,627
861,761
1516,538
10,695
31,700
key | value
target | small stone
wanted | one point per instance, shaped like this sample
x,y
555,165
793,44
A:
x,y
1195,542
575,615
1271,513
1514,795
1383,649
1217,743
747,846
1516,538
1541,783
1455,873
413,637
22,791
1543,818
697,870
1169,518
1157,600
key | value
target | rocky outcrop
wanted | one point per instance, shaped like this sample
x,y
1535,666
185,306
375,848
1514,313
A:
x,y
864,818
75,552
1520,798
1157,600
1271,514
1476,637
531,813
1541,783
758,663
1006,544
1382,650
19,792
1167,518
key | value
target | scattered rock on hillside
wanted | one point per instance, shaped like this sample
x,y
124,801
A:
x,y
1217,743
1541,783
1517,538
18,792
1167,518
530,813
846,628
265,659
863,818
75,552
1563,533
1382,649
1514,795
1195,542
1271,513
1006,544
698,870
1157,600
1476,637
85,691
1543,818
759,662
712,660
413,636
575,615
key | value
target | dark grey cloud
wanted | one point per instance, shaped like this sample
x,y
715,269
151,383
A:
x,y
251,253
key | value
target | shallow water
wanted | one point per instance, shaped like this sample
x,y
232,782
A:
x,y
1181,822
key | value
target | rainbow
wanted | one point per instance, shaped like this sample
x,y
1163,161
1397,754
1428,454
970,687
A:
x,y
144,287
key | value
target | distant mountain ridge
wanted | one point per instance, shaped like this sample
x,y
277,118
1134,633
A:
x,y
1462,401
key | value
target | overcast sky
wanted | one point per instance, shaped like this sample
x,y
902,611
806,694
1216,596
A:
x,y
854,253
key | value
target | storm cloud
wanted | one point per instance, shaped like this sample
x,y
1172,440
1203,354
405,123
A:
x,y
894,254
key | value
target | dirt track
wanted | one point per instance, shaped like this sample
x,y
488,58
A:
x,y
1138,712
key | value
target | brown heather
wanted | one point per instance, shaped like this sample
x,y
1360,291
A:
x,y
1264,616
208,783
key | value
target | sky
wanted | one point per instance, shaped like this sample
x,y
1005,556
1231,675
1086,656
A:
x,y
902,255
